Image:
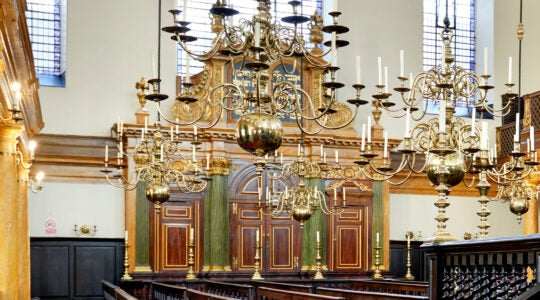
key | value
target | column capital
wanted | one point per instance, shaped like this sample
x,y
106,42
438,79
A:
x,y
220,166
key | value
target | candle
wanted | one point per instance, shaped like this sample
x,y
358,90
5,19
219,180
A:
x,y
368,129
335,194
528,145
363,137
344,193
531,134
385,151
485,60
188,63
484,136
324,158
207,161
142,134
322,150
377,239
379,63
408,239
161,153
401,62
281,158
194,130
267,192
257,34
145,124
407,122
337,159
385,79
442,116
318,237
334,5
473,121
257,237
510,69
177,129
172,133
358,75
298,150
410,81
184,8
126,236
106,153
191,234
193,154
516,136
333,50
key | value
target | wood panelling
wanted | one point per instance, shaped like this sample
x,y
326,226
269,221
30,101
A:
x,y
281,247
350,238
72,268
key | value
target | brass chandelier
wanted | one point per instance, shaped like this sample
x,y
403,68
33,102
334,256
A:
x,y
452,146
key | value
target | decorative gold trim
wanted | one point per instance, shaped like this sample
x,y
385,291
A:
x,y
220,166
142,269
216,269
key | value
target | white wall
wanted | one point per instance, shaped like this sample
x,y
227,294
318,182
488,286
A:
x,y
81,204
110,46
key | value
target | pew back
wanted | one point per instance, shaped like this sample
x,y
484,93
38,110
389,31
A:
x,y
162,291
394,287
192,294
365,295
283,286
237,291
264,293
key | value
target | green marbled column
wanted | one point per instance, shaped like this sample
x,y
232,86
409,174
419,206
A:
x,y
142,228
216,225
317,222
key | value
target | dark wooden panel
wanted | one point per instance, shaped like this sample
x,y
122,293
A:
x,y
175,253
50,271
91,265
246,246
282,247
349,247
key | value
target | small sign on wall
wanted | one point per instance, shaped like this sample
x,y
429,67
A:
x,y
50,225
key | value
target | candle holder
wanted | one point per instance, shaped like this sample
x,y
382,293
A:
x,y
377,275
256,274
409,235
126,275
318,266
191,261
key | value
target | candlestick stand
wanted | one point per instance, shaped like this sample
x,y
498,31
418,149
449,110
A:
x,y
256,274
318,266
409,275
191,261
377,275
126,275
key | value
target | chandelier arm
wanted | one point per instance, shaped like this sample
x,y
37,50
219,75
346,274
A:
x,y
170,121
128,186
343,125
471,183
304,130
205,56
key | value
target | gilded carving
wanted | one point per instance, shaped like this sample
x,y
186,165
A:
x,y
220,166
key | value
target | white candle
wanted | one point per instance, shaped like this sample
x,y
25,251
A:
x,y
377,239
401,62
193,154
257,236
516,136
358,75
172,133
510,69
184,8
473,121
194,130
368,129
363,137
318,237
407,122
385,79
324,158
408,239
485,60
207,161
379,68
298,150
177,129
267,192
337,159
106,153
126,235
188,60
322,150
161,153
335,194
484,136
410,81
344,194
281,158
528,145
191,234
334,5
442,116
257,34
531,134
385,152
145,124
333,50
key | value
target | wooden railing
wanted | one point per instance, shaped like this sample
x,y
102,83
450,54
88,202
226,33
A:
x,y
365,295
483,269
111,291
162,291
237,291
264,293
391,287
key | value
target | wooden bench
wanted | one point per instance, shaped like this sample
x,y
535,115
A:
x,y
123,295
108,290
283,286
162,291
192,294
365,295
394,287
264,293
227,289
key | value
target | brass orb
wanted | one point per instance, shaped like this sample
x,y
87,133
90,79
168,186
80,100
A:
x,y
455,165
519,206
259,133
301,213
157,193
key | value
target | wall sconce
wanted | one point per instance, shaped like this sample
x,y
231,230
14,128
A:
x,y
85,230
15,114
35,185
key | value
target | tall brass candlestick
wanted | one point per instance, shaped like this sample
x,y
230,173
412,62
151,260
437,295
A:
x,y
126,275
191,261
318,266
409,276
377,275
256,274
